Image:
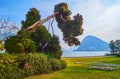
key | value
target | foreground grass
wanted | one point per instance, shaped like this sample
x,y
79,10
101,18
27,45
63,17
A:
x,y
83,71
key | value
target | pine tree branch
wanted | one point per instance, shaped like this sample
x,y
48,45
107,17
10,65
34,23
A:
x,y
33,27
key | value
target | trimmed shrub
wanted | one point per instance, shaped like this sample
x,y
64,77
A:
x,y
55,64
36,62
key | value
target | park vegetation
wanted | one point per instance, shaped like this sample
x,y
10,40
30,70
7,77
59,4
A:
x,y
33,50
86,68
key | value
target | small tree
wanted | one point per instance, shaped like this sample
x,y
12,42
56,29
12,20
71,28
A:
x,y
40,36
7,28
115,46
112,47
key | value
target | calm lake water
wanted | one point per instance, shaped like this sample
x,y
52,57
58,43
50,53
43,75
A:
x,y
84,54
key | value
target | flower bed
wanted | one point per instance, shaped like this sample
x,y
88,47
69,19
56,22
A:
x,y
104,66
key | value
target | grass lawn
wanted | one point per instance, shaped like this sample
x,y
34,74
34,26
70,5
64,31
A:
x,y
83,70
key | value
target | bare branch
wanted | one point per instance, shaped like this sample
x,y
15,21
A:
x,y
7,27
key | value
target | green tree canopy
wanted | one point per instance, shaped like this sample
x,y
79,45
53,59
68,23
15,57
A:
x,y
41,37
70,27
31,17
115,46
112,46
19,44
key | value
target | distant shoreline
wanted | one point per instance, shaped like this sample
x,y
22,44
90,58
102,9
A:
x,y
88,56
89,51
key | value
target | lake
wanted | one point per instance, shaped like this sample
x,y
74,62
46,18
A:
x,y
84,54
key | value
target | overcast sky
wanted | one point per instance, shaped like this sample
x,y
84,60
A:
x,y
101,17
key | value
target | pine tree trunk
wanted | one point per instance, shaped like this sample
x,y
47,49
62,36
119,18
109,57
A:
x,y
33,27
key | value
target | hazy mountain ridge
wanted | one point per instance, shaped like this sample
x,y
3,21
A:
x,y
92,43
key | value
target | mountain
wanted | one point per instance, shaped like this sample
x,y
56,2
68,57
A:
x,y
92,43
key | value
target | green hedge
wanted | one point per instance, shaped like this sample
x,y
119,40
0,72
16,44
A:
x,y
23,65
57,64
38,63
8,67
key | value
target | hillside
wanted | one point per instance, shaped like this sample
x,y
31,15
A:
x,y
92,43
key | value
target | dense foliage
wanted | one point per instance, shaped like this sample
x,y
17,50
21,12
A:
x,y
53,48
70,27
41,37
19,44
115,47
31,17
30,63
55,64
40,40
82,69
23,65
8,66
112,47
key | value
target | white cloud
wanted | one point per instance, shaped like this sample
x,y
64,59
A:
x,y
107,23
